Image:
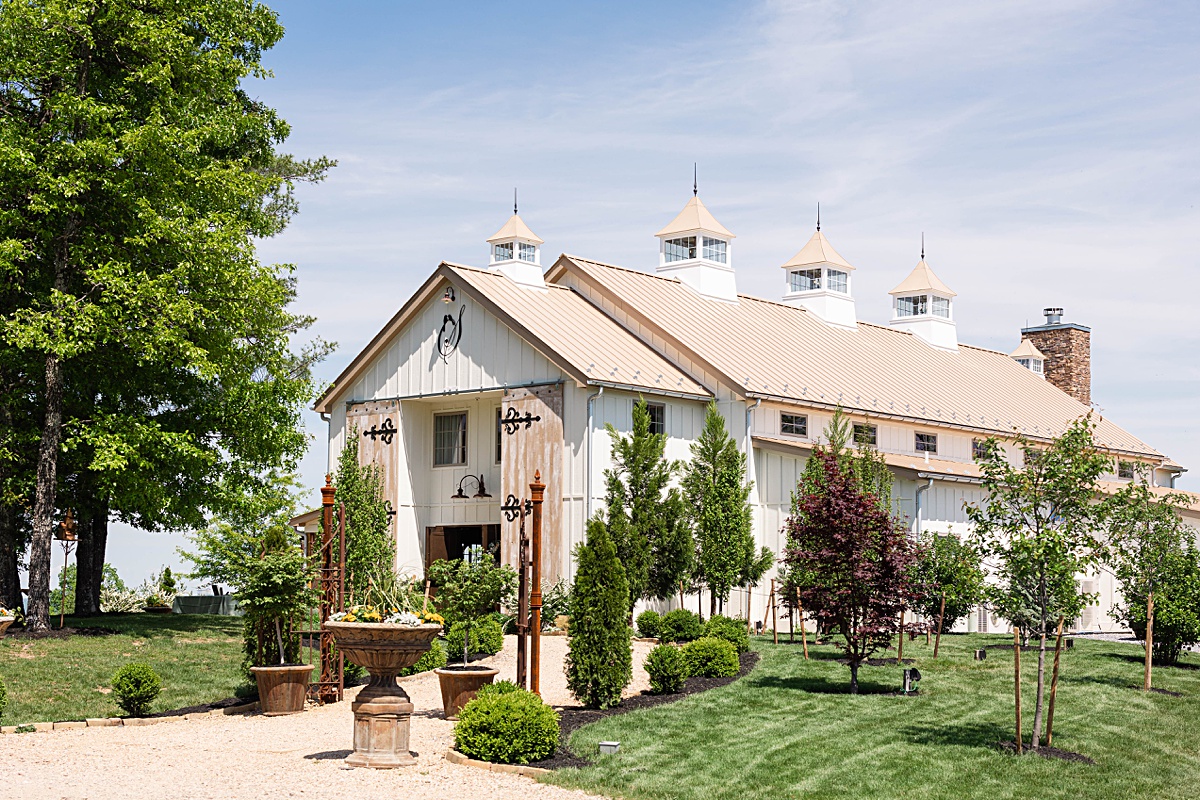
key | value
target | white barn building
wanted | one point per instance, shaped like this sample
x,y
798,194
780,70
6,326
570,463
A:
x,y
487,375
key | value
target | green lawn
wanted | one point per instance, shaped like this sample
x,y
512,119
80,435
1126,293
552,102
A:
x,y
789,730
198,658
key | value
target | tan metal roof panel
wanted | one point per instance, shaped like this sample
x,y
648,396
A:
x,y
695,217
772,350
922,279
515,228
818,250
1026,350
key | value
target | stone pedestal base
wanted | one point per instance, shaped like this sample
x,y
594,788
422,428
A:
x,y
382,714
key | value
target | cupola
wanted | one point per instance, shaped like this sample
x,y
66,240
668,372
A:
x,y
516,252
924,306
698,250
1030,358
818,279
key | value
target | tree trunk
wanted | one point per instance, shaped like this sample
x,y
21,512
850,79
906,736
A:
x,y
853,677
1149,637
1035,737
712,604
90,559
10,579
45,492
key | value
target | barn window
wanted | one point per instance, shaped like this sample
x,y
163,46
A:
x,y
926,442
658,417
793,424
449,439
865,435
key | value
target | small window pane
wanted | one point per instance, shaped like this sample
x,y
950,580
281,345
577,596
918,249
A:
x,y
839,281
683,249
914,306
1036,365
793,424
503,252
449,439
528,252
1032,456
926,442
865,434
499,438
714,250
804,280
941,307
978,448
658,417
1125,469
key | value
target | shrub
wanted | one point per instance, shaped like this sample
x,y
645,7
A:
x,y
666,669
556,603
499,687
731,630
680,625
710,657
432,659
3,697
507,727
486,637
134,688
648,623
599,660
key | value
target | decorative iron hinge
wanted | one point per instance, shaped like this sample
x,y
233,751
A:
x,y
512,420
386,431
512,507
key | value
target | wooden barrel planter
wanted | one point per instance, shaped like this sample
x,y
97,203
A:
x,y
281,690
460,685
4,623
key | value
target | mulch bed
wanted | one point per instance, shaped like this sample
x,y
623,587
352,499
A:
x,y
59,633
1045,751
228,702
573,717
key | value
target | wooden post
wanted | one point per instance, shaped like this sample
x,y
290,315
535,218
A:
x,y
774,613
937,642
1017,681
749,606
428,585
537,491
1054,685
791,622
341,598
522,605
900,644
1149,637
803,633
681,594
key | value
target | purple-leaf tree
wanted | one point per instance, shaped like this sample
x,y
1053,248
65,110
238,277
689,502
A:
x,y
850,557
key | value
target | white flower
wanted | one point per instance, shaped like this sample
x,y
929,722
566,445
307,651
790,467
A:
x,y
404,618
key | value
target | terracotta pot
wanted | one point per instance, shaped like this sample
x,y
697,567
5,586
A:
x,y
459,686
281,690
382,711
4,623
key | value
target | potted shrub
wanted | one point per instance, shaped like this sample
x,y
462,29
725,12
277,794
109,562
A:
x,y
466,592
162,594
7,618
275,592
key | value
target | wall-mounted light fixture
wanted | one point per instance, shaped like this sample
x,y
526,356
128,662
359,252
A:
x,y
448,295
482,492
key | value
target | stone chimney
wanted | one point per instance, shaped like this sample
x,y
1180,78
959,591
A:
x,y
1068,351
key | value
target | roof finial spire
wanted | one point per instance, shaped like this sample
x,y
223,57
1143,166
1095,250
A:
x,y
818,215
514,199
695,179
922,245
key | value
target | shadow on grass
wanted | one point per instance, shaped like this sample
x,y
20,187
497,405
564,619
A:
x,y
816,685
1141,659
152,625
966,734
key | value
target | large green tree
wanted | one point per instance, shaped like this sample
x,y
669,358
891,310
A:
x,y
1039,523
718,495
370,548
646,518
136,173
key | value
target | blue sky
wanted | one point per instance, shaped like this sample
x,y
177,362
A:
x,y
1048,151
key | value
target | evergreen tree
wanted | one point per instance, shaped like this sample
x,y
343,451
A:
x,y
370,548
599,656
646,517
718,494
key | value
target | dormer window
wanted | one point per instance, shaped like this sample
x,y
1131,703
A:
x,y
805,280
1031,364
941,307
528,252
838,281
913,306
502,252
715,250
681,249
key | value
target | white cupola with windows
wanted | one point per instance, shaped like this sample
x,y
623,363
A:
x,y
698,250
818,279
516,252
924,306
1030,358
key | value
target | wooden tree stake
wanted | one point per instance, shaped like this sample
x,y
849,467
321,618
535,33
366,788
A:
x,y
1149,637
1054,685
774,614
900,644
937,643
1017,681
803,633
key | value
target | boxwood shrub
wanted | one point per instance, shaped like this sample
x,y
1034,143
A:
x,y
135,686
648,623
680,625
731,630
710,657
432,659
498,687
486,637
666,669
507,727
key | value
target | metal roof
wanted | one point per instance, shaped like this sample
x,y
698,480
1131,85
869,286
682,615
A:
x,y
776,351
817,251
922,279
695,217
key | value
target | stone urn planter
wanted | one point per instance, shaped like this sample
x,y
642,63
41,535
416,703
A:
x,y
4,623
461,684
382,711
282,690
157,609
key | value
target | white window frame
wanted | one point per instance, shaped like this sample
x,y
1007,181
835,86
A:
x,y
650,408
1132,470
463,446
783,415
524,248
719,249
834,277
503,251
913,305
925,447
873,430
687,243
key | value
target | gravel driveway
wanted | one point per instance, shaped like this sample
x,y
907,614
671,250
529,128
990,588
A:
x,y
259,757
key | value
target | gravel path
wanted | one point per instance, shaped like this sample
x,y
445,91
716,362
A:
x,y
257,757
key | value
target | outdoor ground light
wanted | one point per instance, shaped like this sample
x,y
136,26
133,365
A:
x,y
911,678
479,495
609,748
